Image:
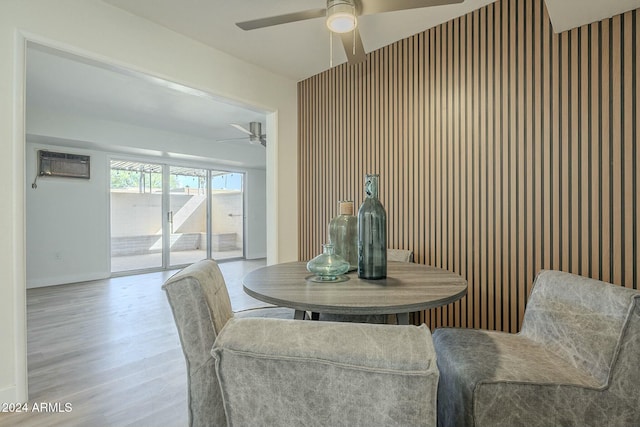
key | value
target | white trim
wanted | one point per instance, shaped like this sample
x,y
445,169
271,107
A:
x,y
65,280
272,188
8,395
19,237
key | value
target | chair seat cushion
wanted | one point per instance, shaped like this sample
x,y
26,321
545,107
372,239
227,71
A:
x,y
477,365
489,356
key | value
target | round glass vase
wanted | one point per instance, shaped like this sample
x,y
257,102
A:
x,y
328,266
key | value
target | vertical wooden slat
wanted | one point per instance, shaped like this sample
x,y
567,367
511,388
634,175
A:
x,y
493,160
594,167
519,166
476,178
585,253
503,148
616,152
464,173
574,130
555,222
605,205
529,208
547,190
509,177
469,136
437,145
451,172
421,205
391,196
565,142
536,142
433,221
484,180
627,127
636,134
503,151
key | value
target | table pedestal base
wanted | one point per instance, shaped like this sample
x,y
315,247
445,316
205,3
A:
x,y
402,318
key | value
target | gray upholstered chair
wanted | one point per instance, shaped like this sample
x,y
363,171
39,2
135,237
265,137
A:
x,y
292,372
576,361
275,372
201,307
402,255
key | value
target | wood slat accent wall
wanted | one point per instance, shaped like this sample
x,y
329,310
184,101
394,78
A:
x,y
503,148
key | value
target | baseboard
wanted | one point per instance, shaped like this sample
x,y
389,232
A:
x,y
256,256
8,395
63,280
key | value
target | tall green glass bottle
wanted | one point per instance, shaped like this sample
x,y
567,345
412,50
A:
x,y
372,233
343,233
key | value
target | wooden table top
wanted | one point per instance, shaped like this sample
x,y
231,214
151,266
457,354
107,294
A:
x,y
407,288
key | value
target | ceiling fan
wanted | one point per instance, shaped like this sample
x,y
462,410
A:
x,y
255,135
342,18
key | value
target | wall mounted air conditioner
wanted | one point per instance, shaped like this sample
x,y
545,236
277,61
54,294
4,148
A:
x,y
63,164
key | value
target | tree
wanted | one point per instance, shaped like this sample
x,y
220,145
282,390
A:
x,y
129,179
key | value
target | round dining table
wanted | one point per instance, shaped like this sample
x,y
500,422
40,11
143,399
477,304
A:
x,y
407,288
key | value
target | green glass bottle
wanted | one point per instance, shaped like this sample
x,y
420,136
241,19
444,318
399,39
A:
x,y
372,233
343,233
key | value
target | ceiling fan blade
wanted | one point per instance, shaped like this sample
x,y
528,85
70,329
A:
x,y
370,7
282,19
244,138
241,129
347,43
259,143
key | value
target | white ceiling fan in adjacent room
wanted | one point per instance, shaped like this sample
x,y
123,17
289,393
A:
x,y
254,134
342,19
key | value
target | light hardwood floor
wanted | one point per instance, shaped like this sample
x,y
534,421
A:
x,y
110,349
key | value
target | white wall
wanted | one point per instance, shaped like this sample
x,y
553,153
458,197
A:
x,y
67,223
127,138
105,33
255,184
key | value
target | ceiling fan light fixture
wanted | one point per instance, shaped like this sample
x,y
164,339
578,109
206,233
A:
x,y
341,17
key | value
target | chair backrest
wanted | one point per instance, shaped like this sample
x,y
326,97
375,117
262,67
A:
x,y
625,375
201,307
402,255
582,319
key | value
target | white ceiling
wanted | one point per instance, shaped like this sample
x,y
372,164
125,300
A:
x,y
297,50
568,14
62,82
301,49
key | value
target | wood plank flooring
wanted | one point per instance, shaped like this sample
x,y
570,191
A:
x,y
110,348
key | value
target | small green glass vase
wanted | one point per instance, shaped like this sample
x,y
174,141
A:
x,y
328,266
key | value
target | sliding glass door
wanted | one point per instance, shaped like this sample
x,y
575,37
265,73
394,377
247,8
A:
x,y
227,215
187,215
136,216
165,216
